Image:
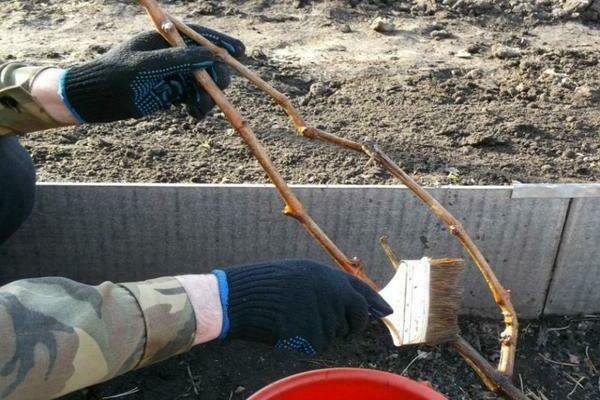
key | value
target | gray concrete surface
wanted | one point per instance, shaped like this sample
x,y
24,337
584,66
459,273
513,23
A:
x,y
133,232
576,280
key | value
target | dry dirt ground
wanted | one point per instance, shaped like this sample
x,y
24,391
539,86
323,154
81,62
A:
x,y
461,91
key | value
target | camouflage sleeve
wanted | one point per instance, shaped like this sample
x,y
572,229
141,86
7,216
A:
x,y
19,112
57,335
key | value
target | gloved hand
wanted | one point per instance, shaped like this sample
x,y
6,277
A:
x,y
145,75
295,304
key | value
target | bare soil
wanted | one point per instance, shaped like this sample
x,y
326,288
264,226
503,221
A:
x,y
558,359
461,91
440,93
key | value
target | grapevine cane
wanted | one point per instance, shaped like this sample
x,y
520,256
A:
x,y
496,381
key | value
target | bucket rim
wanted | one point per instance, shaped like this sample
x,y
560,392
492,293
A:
x,y
283,385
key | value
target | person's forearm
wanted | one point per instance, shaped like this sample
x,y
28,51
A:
x,y
30,99
45,89
57,335
203,293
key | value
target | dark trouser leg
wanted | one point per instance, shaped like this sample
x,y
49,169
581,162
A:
x,y
17,185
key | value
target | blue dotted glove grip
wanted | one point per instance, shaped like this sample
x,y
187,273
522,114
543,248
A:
x,y
296,343
151,94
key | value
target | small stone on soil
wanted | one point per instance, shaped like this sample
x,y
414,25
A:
x,y
157,152
586,95
345,28
239,389
463,54
258,54
439,34
474,48
521,87
569,154
320,89
575,6
382,25
505,52
474,74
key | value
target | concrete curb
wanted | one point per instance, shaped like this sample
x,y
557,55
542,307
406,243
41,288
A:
x,y
541,248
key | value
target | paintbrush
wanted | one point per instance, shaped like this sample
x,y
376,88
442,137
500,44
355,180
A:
x,y
425,295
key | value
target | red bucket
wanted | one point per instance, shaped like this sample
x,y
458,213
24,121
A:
x,y
346,384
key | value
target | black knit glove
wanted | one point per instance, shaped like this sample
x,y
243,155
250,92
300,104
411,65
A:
x,y
295,304
145,75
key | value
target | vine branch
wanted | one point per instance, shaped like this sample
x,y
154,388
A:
x,y
496,380
293,206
